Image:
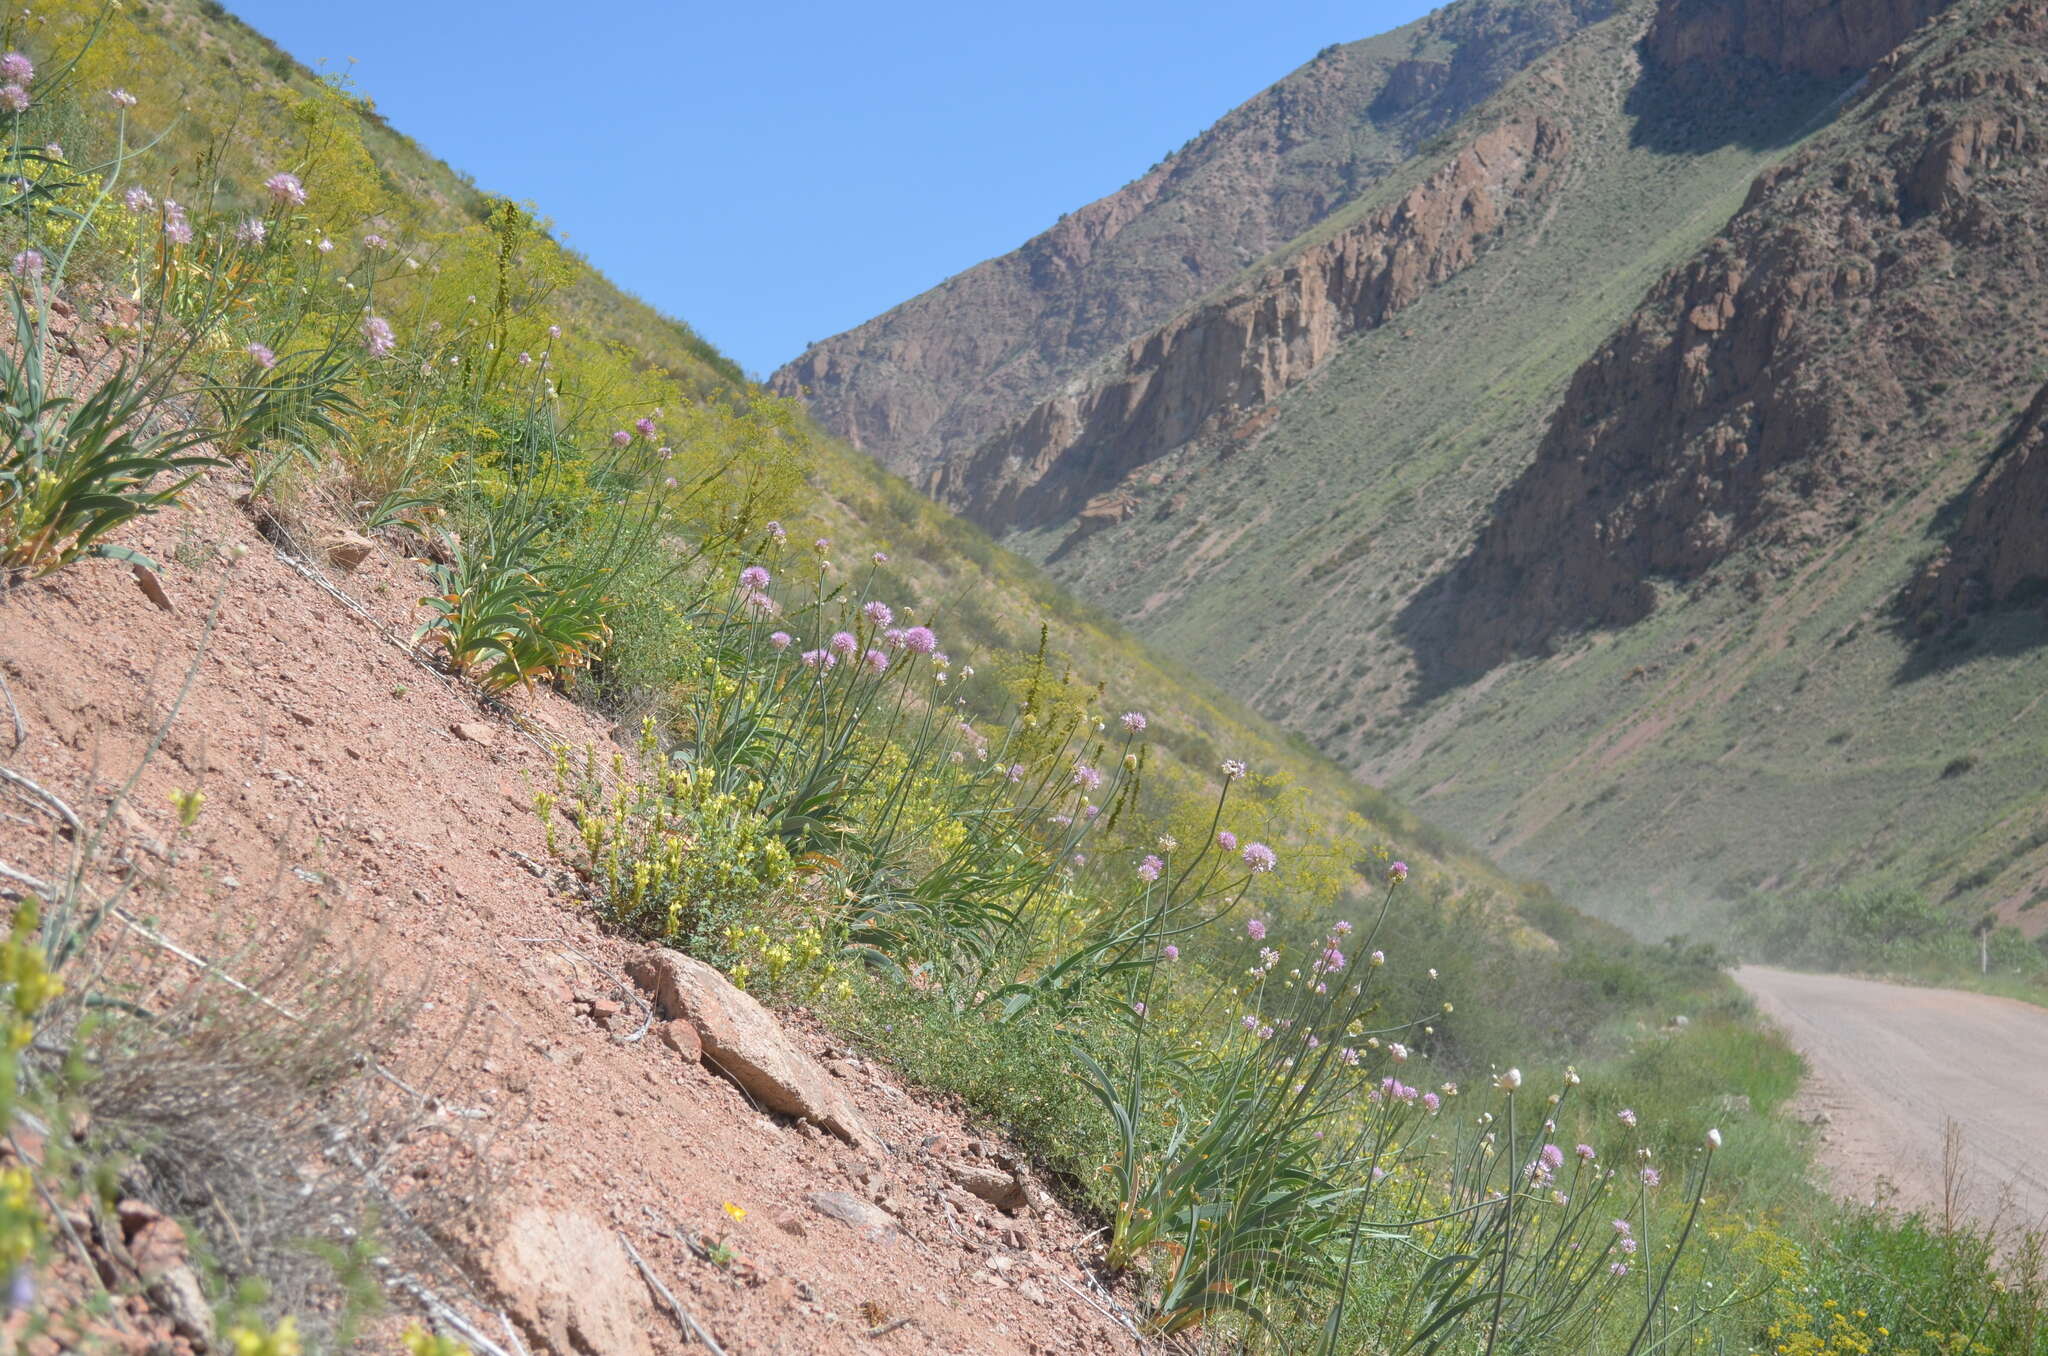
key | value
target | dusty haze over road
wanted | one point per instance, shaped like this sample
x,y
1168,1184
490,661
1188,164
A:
x,y
1891,1065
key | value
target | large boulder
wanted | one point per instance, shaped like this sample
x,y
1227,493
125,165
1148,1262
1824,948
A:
x,y
567,1282
743,1041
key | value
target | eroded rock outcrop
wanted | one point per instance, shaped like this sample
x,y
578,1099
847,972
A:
x,y
1999,552
942,373
1230,357
1857,316
1808,37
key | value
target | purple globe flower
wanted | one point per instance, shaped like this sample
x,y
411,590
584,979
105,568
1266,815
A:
x,y
1134,721
1149,869
1259,857
1226,840
780,640
377,337
16,66
920,640
1255,928
286,190
265,359
877,662
843,642
754,577
878,613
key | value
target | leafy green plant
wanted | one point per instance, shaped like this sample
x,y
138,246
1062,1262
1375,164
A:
x,y
74,469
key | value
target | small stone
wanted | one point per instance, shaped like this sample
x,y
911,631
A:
x,y
476,732
851,1210
348,550
679,1036
606,1011
790,1224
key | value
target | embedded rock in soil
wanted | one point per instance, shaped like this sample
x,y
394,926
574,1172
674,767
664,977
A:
x,y
679,1036
347,550
852,1210
568,1283
999,1187
746,1044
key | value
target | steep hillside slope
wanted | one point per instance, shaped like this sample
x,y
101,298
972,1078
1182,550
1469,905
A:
x,y
1645,480
949,368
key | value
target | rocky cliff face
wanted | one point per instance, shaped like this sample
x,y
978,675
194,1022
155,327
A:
x,y
1854,316
1999,552
1210,369
949,369
1811,37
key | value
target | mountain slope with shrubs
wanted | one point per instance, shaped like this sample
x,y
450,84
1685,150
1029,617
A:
x,y
1652,491
826,745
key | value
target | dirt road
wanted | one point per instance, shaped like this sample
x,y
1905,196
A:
x,y
1892,1065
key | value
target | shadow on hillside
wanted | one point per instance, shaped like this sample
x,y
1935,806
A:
x,y
2003,632
1691,111
1432,626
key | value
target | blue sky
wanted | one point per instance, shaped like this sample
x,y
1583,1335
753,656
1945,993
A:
x,y
776,173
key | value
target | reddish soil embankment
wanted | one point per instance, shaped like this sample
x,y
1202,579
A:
x,y
354,791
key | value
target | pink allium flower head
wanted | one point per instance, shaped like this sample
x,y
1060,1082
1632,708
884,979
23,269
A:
x,y
1397,873
27,264
1134,721
1265,1033
644,427
1090,811
265,359
1233,769
1250,1023
1627,1245
525,359
138,201
122,98
176,229
777,533
1226,840
1333,961
754,577
1431,1101
1015,772
1621,1226
877,662
325,246
1259,857
760,602
1617,1269
813,658
844,643
251,232
893,637
373,241
286,190
554,331
1170,951
920,640
1551,1155
1255,928
1085,777
17,67
878,613
1341,928
1585,1153
780,640
620,437
1138,1008
1149,869
881,557
822,545
1379,958
1651,1177
13,98
1627,1117
377,337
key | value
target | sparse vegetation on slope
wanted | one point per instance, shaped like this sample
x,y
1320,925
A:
x,y
1212,948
